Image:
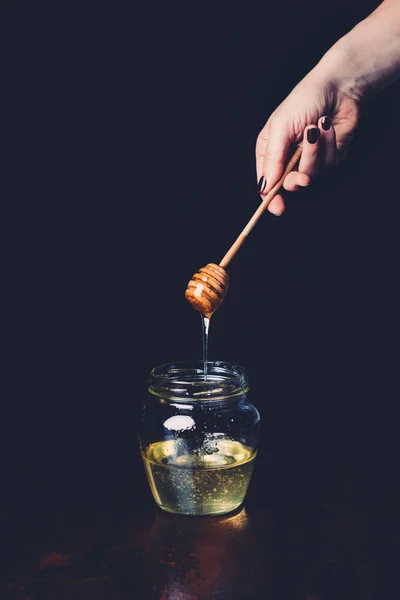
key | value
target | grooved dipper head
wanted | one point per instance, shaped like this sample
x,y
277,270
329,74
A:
x,y
207,289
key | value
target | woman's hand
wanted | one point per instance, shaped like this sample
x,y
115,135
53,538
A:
x,y
323,109
320,114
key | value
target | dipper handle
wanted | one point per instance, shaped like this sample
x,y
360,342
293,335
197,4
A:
x,y
254,219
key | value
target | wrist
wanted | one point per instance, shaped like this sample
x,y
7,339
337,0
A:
x,y
366,59
339,67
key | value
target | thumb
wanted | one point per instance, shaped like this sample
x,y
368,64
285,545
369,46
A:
x,y
275,156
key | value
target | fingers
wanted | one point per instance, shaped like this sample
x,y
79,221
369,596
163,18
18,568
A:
x,y
272,147
319,149
273,144
309,161
328,141
296,180
261,144
277,205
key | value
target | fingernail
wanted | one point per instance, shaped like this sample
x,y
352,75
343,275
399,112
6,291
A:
x,y
312,135
326,123
262,184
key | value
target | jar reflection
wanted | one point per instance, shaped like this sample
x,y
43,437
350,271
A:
x,y
215,557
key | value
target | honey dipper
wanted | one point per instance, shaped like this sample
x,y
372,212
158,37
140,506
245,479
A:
x,y
207,288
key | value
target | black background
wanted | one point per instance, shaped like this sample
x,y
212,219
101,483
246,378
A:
x,y
127,135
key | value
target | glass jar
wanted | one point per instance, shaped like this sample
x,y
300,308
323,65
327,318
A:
x,y
198,437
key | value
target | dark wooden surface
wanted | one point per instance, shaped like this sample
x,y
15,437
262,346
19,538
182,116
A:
x,y
127,163
322,532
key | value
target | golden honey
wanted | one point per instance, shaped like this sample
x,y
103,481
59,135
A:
x,y
212,481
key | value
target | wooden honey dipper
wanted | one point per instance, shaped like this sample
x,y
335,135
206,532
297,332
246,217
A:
x,y
207,288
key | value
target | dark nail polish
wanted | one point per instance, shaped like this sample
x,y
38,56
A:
x,y
312,135
262,184
326,123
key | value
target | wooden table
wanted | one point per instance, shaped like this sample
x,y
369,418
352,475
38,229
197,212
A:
x,y
309,533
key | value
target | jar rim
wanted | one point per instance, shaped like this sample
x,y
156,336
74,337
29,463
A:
x,y
184,381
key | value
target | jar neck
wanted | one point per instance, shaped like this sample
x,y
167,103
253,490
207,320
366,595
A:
x,y
188,382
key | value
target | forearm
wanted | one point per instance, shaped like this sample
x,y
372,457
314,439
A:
x,y
367,58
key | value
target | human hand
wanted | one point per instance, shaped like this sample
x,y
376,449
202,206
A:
x,y
317,112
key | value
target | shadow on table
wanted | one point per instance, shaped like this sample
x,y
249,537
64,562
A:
x,y
150,555
186,558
